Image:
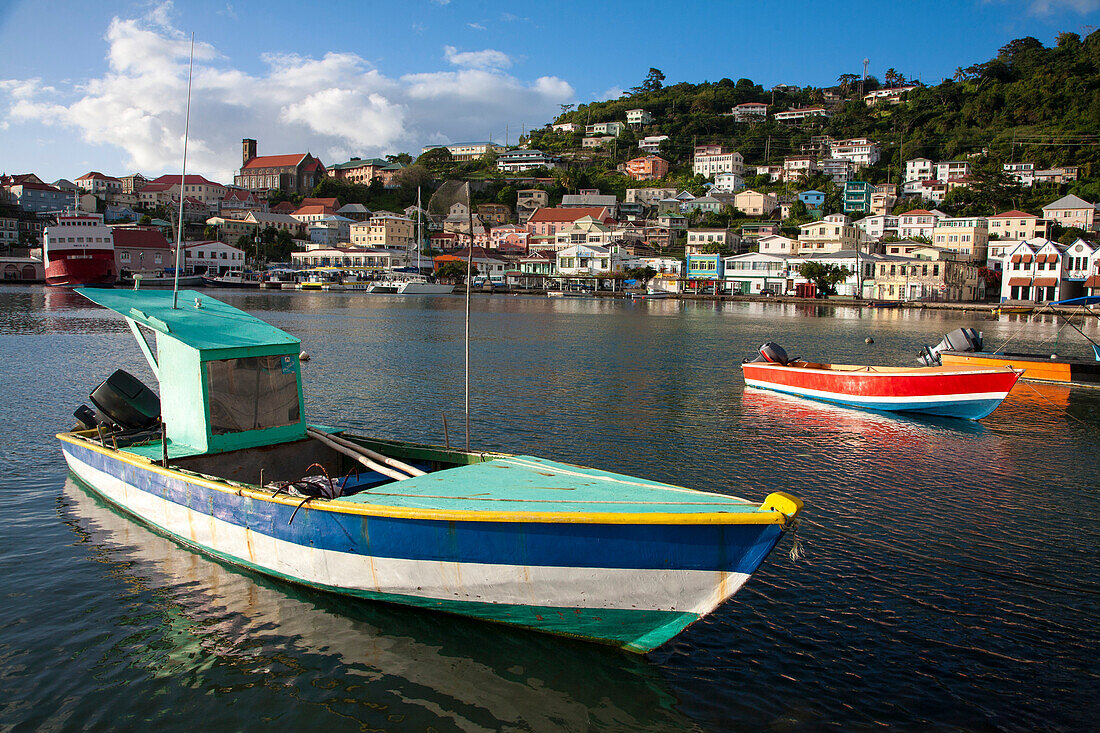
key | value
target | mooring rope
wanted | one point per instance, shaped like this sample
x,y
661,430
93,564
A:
x,y
1087,589
1067,412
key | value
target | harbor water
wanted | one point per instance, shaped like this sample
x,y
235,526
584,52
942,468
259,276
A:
x,y
950,578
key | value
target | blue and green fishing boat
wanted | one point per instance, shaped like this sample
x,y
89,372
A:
x,y
224,461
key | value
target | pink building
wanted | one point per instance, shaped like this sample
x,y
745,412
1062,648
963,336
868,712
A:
x,y
545,223
509,238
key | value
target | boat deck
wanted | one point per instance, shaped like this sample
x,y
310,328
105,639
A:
x,y
529,484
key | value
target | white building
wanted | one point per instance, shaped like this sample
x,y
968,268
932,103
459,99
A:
x,y
753,272
861,151
211,258
794,115
878,226
717,159
920,169
1036,271
613,129
795,166
728,182
566,127
467,151
918,223
584,260
652,143
749,111
949,169
522,160
638,117
777,244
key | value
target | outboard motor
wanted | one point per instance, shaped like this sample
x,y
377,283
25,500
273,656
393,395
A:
x,y
773,353
961,339
123,400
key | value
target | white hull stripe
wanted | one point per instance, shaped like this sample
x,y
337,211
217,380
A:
x,y
878,399
691,591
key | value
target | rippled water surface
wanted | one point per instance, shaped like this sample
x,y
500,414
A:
x,y
887,620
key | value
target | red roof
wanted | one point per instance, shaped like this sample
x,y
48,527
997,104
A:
x,y
94,175
155,187
148,238
329,202
283,207
38,186
234,194
274,161
546,214
314,209
193,180
1014,214
918,212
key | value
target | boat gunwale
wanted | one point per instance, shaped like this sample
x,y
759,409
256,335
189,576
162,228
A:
x,y
864,370
1037,358
254,492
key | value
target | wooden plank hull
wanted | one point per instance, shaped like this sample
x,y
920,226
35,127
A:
x,y
966,393
622,581
1035,368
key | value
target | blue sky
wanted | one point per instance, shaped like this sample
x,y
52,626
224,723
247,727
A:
x,y
101,86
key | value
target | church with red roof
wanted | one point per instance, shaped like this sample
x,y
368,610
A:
x,y
294,173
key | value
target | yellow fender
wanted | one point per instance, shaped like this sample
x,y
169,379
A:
x,y
784,503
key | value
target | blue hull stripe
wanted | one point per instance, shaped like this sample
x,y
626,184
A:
x,y
968,409
733,548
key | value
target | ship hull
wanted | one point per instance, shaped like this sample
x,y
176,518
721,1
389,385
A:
x,y
86,268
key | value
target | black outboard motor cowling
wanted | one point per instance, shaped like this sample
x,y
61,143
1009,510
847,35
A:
x,y
961,339
774,353
126,402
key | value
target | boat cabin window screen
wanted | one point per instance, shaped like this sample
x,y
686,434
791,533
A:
x,y
252,393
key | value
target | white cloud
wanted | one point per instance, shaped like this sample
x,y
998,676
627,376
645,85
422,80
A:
x,y
612,93
487,59
1049,7
476,26
333,106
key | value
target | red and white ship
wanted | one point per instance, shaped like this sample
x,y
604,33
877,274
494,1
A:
x,y
79,250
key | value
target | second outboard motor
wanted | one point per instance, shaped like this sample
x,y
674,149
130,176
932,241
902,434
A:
x,y
961,339
773,353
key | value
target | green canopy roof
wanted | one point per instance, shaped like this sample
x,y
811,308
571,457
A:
x,y
209,326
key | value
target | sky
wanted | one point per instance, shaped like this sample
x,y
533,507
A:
x,y
103,86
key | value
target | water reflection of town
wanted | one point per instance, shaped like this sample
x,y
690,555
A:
x,y
381,665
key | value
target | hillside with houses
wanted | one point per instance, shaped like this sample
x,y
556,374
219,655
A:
x,y
981,187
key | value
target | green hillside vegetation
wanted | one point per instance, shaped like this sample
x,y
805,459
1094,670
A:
x,y
1029,104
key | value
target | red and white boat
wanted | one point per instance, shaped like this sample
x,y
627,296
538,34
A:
x,y
79,250
966,392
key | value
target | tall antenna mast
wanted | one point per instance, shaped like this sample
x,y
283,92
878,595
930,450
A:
x,y
469,277
863,79
183,177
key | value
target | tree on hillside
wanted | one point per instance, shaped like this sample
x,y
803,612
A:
x,y
402,158
653,81
412,176
436,159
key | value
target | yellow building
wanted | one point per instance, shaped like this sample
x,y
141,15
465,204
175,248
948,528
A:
x,y
927,274
968,236
1018,225
390,232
